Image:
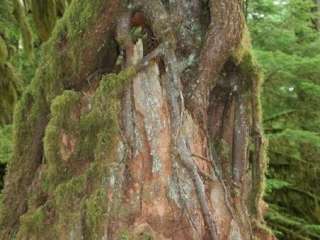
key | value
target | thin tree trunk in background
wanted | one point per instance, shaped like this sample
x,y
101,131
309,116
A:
x,y
142,121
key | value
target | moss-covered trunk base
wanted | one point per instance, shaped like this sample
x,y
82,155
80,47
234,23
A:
x,y
120,142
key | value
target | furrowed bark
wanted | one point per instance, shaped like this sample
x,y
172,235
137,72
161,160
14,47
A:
x,y
223,36
148,130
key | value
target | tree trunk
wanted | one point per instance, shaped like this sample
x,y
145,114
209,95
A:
x,y
143,122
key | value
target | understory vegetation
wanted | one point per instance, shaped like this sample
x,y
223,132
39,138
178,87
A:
x,y
286,41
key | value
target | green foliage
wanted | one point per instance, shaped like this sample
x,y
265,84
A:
x,y
7,22
288,25
291,227
5,151
287,45
275,184
18,12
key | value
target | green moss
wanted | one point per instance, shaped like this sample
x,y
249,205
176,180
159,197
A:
x,y
62,105
95,209
89,11
61,6
94,133
1,203
129,235
259,167
69,194
243,49
124,235
244,58
33,222
61,66
10,87
5,144
44,13
62,54
60,122
62,63
98,173
67,198
252,73
96,130
252,78
3,51
146,236
249,67
100,126
117,81
28,114
137,33
58,216
73,25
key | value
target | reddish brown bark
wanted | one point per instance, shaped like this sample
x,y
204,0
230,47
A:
x,y
185,122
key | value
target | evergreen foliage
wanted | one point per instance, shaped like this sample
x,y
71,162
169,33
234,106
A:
x,y
287,44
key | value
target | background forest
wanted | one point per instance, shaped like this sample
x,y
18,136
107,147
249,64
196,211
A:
x,y
286,40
